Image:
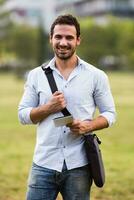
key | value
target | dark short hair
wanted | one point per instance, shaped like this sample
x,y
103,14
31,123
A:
x,y
66,20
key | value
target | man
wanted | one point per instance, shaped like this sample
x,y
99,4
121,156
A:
x,y
60,163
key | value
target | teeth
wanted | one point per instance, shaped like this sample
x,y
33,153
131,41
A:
x,y
63,49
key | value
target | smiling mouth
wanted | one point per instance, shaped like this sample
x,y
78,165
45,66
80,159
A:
x,y
62,50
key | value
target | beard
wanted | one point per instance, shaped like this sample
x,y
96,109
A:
x,y
64,52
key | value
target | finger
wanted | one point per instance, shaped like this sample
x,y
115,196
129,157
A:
x,y
75,132
75,126
61,97
74,129
76,122
57,93
63,105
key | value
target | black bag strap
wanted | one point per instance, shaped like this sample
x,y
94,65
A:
x,y
49,74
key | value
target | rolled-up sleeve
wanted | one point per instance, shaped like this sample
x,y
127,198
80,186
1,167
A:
x,y
29,100
104,99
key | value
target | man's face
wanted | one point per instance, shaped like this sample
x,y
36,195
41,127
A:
x,y
64,41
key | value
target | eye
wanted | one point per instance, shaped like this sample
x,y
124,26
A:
x,y
58,37
69,37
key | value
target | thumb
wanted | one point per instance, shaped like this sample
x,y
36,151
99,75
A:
x,y
76,121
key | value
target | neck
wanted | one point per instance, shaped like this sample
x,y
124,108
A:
x,y
69,64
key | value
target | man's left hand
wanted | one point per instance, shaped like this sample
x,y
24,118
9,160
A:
x,y
79,127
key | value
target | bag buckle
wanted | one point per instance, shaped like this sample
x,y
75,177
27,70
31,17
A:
x,y
98,140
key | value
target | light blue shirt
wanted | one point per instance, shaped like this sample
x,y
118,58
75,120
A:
x,y
86,88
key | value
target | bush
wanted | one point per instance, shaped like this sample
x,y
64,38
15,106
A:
x,y
114,39
108,46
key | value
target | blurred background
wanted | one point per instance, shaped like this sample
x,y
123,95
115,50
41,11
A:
x,y
107,32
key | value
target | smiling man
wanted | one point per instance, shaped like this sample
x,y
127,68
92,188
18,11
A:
x,y
60,163
64,41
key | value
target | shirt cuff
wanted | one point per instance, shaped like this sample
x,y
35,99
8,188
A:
x,y
110,117
24,116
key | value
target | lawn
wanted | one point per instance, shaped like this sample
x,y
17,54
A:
x,y
17,142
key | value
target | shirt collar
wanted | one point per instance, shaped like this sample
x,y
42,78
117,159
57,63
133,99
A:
x,y
51,64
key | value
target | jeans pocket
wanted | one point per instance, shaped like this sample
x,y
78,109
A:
x,y
40,177
35,178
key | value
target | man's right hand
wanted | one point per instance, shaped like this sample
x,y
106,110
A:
x,y
57,102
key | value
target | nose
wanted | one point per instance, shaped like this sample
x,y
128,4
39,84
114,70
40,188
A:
x,y
63,42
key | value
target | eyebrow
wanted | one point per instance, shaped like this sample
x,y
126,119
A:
x,y
60,35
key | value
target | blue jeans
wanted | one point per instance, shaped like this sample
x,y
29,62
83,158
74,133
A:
x,y
45,184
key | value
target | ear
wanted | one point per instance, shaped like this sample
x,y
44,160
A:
x,y
78,41
50,39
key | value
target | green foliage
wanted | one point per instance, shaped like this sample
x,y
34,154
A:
x,y
126,42
43,42
114,38
27,45
25,42
5,26
97,42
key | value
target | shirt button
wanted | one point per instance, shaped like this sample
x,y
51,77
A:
x,y
64,131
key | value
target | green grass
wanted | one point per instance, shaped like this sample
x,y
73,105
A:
x,y
17,142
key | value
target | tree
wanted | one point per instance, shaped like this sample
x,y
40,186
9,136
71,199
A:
x,y
126,43
44,51
25,43
113,41
5,26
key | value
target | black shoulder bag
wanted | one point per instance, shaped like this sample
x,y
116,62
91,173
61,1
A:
x,y
91,143
94,157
